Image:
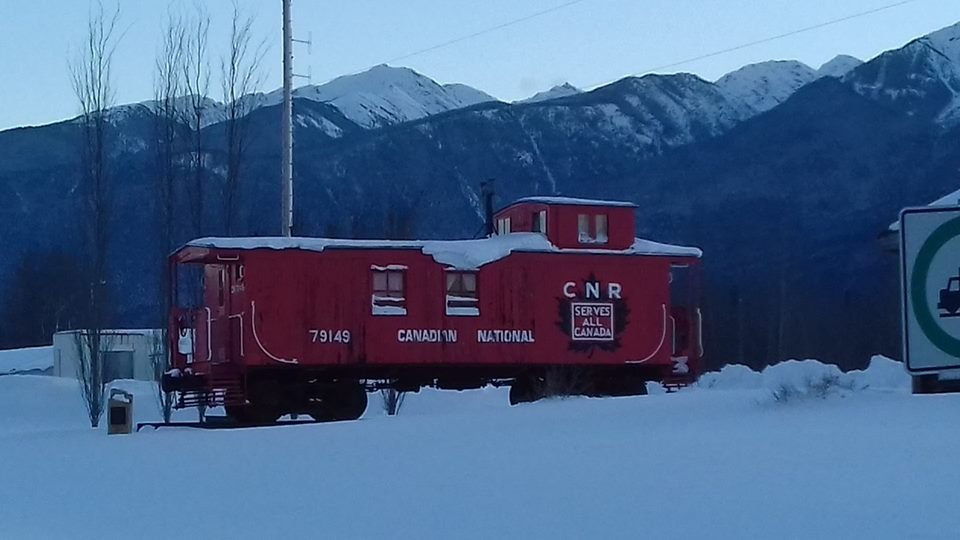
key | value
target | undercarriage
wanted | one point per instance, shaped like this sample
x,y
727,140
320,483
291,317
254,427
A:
x,y
263,395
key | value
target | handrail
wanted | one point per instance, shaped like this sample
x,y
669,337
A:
x,y
673,330
663,338
256,337
699,333
209,334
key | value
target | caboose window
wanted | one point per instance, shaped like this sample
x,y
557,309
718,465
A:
x,y
388,293
540,221
601,229
599,233
583,229
462,298
221,286
503,226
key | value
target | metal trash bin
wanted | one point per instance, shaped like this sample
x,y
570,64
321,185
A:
x,y
119,412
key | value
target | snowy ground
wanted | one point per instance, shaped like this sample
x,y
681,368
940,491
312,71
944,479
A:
x,y
721,461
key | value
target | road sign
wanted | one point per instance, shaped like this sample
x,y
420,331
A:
x,y
930,281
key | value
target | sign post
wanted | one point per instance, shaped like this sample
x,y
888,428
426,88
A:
x,y
930,283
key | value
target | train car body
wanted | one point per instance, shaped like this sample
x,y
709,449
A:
x,y
308,325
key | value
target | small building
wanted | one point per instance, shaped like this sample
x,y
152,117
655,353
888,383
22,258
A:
x,y
128,354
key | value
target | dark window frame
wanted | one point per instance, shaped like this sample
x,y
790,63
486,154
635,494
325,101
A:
x,y
391,293
458,295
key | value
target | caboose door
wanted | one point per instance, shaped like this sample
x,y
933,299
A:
x,y
218,283
236,302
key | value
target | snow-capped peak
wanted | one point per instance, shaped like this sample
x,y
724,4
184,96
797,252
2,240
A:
x,y
765,85
839,66
468,95
922,78
943,69
945,41
561,90
385,95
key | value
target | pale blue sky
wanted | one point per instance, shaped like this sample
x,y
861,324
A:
x,y
588,43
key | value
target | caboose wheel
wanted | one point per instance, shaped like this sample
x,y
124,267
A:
x,y
343,402
266,403
253,415
619,387
239,413
355,402
522,391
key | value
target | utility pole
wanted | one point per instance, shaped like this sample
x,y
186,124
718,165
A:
x,y
286,120
286,126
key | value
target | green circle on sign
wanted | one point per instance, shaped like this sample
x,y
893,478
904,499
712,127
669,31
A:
x,y
918,288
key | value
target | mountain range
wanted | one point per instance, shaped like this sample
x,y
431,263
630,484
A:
x,y
782,173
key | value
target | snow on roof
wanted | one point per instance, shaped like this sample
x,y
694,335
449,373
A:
x,y
23,360
572,201
462,254
649,247
951,199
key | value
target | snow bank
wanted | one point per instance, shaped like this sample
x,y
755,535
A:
x,y
731,377
798,373
23,360
882,373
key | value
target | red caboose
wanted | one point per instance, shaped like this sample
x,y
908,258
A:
x,y
561,294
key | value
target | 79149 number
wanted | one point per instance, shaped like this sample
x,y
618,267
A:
x,y
329,336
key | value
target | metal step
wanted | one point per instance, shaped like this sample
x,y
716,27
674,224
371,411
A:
x,y
223,392
674,385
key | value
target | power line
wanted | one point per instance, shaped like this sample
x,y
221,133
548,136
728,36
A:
x,y
761,41
485,31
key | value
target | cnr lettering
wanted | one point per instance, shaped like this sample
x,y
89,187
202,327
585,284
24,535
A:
x,y
592,290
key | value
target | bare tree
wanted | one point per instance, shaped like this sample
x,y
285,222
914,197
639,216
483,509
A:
x,y
392,400
196,85
241,77
91,74
168,132
160,360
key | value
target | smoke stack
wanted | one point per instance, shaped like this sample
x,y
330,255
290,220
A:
x,y
486,189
